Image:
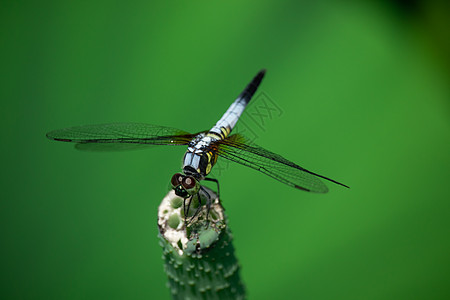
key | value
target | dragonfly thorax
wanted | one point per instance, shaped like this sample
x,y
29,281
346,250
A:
x,y
201,142
200,156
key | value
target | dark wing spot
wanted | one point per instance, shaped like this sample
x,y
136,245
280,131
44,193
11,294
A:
x,y
301,188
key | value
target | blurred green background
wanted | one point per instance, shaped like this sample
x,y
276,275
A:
x,y
364,89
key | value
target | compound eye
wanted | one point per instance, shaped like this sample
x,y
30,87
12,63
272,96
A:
x,y
176,179
188,182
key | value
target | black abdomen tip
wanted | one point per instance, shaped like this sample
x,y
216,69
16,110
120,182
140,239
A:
x,y
251,88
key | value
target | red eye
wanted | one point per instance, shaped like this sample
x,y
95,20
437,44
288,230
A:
x,y
176,179
188,182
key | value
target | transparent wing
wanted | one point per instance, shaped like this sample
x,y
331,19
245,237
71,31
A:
x,y
236,148
120,136
109,147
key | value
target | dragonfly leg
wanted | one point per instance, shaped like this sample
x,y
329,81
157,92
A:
x,y
186,211
208,202
217,182
197,210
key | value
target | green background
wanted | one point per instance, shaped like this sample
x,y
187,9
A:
x,y
364,89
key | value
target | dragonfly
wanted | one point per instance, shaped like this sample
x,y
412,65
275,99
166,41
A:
x,y
203,150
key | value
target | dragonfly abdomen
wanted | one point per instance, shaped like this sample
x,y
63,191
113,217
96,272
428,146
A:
x,y
224,126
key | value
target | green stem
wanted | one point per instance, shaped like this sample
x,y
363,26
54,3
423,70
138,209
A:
x,y
199,261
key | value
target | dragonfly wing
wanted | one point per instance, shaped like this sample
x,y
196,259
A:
x,y
120,136
108,147
236,148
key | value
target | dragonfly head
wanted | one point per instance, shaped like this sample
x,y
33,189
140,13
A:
x,y
184,186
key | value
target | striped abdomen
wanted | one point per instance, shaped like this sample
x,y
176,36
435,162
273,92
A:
x,y
202,153
224,126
